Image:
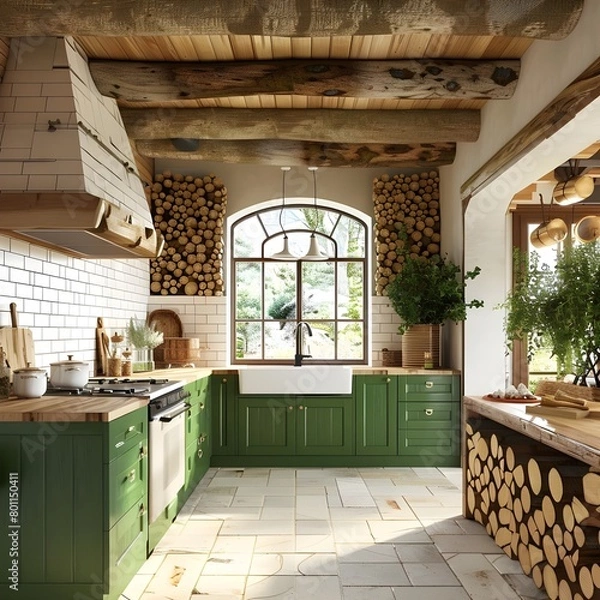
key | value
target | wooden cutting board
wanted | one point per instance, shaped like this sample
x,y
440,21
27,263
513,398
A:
x,y
17,343
557,411
167,321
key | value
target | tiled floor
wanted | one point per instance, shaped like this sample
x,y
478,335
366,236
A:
x,y
328,534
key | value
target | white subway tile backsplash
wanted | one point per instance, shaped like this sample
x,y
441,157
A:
x,y
19,276
15,261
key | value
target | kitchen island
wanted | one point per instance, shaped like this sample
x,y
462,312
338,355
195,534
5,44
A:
x,y
533,483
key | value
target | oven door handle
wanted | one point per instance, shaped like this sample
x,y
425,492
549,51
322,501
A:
x,y
170,416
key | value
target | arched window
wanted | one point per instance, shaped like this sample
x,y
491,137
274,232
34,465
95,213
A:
x,y
270,297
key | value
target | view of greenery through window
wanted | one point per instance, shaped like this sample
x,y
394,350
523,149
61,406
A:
x,y
271,296
543,365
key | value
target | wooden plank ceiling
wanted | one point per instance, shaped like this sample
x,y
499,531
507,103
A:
x,y
366,137
302,82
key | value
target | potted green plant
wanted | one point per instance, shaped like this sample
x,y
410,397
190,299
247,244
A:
x,y
425,294
558,308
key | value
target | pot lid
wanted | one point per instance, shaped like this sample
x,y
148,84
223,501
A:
x,y
30,369
69,362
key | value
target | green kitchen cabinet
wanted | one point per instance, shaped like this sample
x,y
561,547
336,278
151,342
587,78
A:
x,y
224,394
296,425
429,419
73,504
376,415
324,425
267,425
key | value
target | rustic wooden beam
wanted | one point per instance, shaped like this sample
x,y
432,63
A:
x,y
140,81
546,19
575,97
314,125
293,154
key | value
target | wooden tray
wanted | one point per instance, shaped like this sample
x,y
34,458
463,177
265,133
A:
x,y
522,400
167,321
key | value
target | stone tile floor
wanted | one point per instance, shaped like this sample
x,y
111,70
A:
x,y
328,534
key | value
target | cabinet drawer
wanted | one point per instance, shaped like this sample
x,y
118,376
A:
x,y
432,444
417,388
127,432
429,415
127,482
127,546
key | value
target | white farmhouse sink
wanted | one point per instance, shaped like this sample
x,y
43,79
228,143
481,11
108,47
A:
x,y
307,379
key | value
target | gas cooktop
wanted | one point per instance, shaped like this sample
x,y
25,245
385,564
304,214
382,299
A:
x,y
120,387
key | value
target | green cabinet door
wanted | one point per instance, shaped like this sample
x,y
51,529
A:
x,y
324,425
224,392
376,415
266,425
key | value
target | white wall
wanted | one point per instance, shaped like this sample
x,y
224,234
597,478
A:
x,y
547,68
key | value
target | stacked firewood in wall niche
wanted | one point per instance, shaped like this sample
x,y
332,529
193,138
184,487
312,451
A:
x,y
404,205
539,505
190,213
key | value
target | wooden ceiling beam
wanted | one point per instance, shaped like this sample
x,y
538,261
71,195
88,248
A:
x,y
140,81
313,125
544,19
299,154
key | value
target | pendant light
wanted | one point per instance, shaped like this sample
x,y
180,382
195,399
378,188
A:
x,y
285,253
314,251
549,232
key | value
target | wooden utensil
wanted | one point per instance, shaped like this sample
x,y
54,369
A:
x,y
102,349
17,342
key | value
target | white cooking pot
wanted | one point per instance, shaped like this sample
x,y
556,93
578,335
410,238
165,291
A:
x,y
70,374
29,382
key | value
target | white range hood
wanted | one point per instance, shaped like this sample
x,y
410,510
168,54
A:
x,y
67,175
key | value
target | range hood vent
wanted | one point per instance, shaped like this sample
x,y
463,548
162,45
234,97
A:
x,y
71,185
79,225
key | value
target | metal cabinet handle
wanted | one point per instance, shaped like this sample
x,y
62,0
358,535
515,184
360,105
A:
x,y
131,476
301,407
131,428
429,411
201,405
429,384
143,453
201,439
200,453
388,380
290,408
224,380
142,510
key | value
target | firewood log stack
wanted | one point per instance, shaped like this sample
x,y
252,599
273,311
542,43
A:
x,y
190,213
539,505
409,204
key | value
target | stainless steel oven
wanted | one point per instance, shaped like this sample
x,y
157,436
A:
x,y
166,453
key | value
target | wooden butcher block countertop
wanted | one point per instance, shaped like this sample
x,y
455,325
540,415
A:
x,y
579,438
87,409
68,408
